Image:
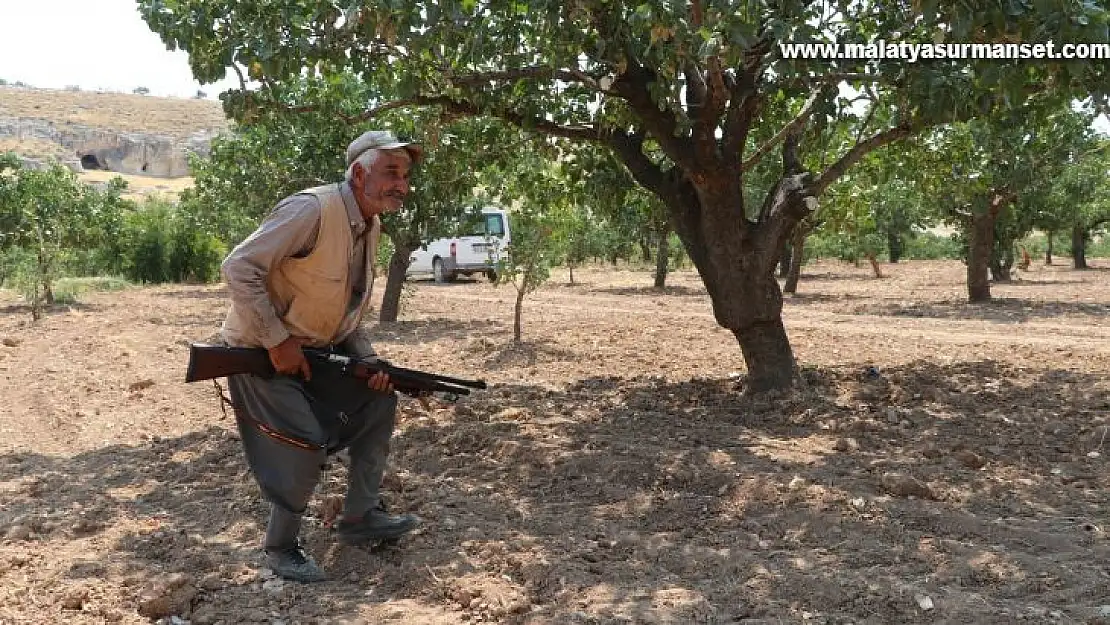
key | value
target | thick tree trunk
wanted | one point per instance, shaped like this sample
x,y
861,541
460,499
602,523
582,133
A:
x,y
1048,249
767,353
981,248
979,257
894,246
570,266
797,245
785,260
737,259
394,284
662,259
516,314
1079,247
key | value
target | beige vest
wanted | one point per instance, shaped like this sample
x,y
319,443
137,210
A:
x,y
311,294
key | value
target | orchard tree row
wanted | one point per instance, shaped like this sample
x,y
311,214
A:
x,y
992,180
738,142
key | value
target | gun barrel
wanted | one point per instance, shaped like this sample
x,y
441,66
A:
x,y
433,377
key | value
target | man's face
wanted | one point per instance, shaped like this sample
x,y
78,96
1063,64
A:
x,y
384,186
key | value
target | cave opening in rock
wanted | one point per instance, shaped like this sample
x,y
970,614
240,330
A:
x,y
90,161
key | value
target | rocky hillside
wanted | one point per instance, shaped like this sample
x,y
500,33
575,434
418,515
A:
x,y
129,134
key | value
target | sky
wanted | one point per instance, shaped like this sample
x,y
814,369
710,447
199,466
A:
x,y
93,44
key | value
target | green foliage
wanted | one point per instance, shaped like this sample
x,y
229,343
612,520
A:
x,y
160,243
47,212
280,151
544,221
1099,248
70,290
931,246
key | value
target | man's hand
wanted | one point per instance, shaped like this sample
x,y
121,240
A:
x,y
380,382
288,358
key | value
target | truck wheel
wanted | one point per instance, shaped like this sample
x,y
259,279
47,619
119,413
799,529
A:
x,y
438,272
491,275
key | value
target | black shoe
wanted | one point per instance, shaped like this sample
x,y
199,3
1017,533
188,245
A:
x,y
376,525
294,564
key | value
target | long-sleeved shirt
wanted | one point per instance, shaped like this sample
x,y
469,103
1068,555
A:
x,y
291,230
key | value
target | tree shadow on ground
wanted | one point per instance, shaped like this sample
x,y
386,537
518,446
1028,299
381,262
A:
x,y
672,290
809,298
54,309
615,478
511,355
197,292
645,500
1000,310
418,331
829,276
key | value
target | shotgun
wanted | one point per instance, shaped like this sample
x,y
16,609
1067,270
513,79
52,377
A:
x,y
208,362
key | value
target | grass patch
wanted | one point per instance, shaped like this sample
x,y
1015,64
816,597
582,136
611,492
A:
x,y
69,290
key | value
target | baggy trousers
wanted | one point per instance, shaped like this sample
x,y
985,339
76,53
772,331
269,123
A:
x,y
289,426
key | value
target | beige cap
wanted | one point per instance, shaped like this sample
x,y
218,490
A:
x,y
382,140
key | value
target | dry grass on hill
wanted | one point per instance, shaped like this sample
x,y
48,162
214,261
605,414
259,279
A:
x,y
174,117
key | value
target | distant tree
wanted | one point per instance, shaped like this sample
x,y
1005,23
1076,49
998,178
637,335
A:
x,y
200,95
49,211
547,196
990,169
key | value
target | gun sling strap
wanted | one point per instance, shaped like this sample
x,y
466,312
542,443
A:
x,y
258,425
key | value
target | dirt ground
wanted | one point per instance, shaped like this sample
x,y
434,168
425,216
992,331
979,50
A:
x,y
939,462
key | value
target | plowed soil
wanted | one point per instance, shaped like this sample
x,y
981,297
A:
x,y
938,462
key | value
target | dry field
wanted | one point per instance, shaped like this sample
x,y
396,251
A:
x,y
140,187
122,112
939,462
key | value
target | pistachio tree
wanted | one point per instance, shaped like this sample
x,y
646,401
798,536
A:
x,y
675,90
48,212
990,175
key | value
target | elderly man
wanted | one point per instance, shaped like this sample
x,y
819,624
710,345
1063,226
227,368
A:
x,y
304,278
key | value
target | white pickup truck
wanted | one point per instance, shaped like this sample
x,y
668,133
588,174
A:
x,y
476,251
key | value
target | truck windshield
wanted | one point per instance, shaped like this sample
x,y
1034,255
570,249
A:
x,y
489,225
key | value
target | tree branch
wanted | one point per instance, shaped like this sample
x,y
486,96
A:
x,y
648,174
793,126
744,104
576,133
858,151
830,79
633,87
536,71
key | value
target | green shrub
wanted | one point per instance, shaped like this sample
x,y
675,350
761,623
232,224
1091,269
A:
x,y
160,244
69,290
1099,247
931,246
